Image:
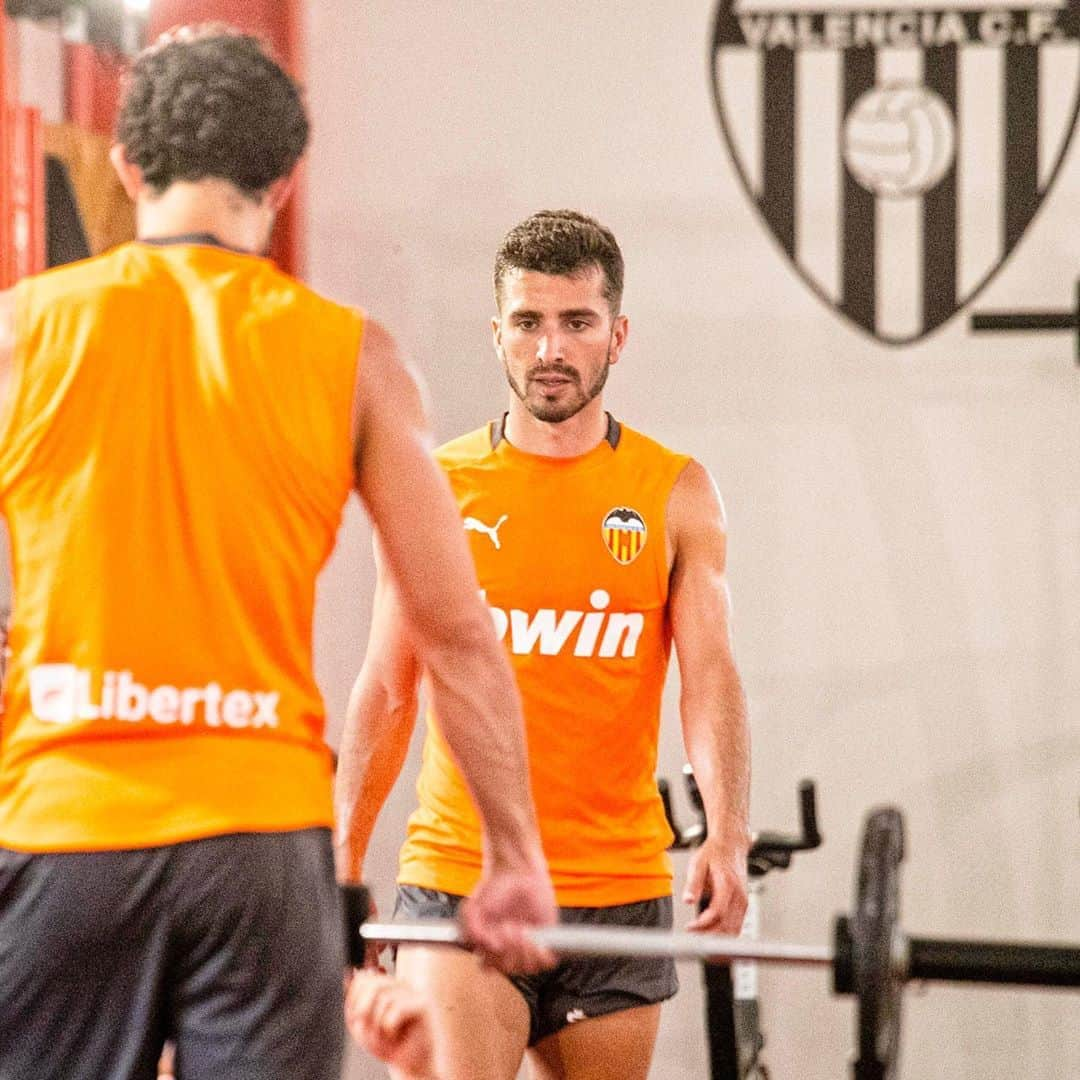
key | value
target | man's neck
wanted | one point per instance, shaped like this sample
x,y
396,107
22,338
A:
x,y
569,438
204,207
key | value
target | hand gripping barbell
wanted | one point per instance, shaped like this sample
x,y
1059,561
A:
x,y
871,957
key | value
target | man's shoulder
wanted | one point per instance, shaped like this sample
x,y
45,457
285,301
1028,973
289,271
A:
x,y
86,274
282,295
468,449
638,442
73,287
306,293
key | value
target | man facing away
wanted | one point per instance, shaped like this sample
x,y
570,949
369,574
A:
x,y
181,426
595,546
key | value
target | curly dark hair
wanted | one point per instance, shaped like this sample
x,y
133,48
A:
x,y
563,242
209,101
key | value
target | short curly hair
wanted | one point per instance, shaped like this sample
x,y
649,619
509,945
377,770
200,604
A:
x,y
209,101
565,243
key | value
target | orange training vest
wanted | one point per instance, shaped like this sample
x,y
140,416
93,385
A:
x,y
173,468
571,556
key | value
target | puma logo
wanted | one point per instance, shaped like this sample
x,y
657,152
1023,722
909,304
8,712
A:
x,y
490,531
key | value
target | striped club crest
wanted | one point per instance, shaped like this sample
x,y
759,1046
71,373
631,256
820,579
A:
x,y
897,153
624,534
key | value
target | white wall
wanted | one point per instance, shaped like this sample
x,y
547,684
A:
x,y
905,523
40,67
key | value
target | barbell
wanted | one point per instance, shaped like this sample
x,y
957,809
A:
x,y
870,956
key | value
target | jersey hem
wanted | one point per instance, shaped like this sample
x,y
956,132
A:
x,y
116,795
182,837
605,893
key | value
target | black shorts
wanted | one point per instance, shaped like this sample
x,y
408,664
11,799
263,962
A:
x,y
231,946
579,987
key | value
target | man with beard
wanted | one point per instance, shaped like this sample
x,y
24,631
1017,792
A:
x,y
595,547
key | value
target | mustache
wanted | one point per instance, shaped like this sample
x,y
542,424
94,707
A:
x,y
554,369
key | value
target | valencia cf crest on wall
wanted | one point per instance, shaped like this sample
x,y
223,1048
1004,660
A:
x,y
624,534
897,152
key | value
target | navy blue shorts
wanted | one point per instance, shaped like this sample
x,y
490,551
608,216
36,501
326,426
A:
x,y
579,987
233,947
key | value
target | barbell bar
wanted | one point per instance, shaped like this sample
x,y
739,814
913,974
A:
x,y
611,941
921,959
870,956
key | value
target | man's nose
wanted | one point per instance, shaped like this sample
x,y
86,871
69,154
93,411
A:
x,y
549,347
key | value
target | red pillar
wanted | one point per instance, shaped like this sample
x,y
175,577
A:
x,y
25,180
5,212
91,88
275,20
3,57
22,177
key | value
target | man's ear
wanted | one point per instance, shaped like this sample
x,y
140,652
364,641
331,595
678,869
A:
x,y
620,330
131,176
277,194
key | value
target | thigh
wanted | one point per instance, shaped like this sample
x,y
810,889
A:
x,y
259,958
481,1019
618,1046
83,938
597,1016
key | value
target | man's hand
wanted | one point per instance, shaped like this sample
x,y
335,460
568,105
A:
x,y
718,872
166,1064
504,906
390,1020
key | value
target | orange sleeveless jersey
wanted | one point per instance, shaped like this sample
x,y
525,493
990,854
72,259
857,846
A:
x,y
173,468
571,557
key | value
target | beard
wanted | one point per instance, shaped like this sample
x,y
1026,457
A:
x,y
543,406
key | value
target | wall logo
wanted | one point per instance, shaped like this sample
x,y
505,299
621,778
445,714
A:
x,y
897,153
624,534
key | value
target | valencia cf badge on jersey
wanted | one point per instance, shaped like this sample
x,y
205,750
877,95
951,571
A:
x,y
624,534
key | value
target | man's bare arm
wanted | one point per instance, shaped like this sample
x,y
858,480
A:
x,y
379,722
468,675
425,552
712,703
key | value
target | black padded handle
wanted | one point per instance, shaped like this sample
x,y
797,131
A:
x,y
356,906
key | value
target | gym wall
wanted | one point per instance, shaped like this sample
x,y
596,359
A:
x,y
904,518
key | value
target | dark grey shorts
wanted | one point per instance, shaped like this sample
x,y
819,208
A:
x,y
580,987
231,946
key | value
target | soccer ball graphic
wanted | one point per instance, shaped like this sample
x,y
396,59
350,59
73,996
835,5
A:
x,y
899,140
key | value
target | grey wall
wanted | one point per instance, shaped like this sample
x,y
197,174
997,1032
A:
x,y
905,523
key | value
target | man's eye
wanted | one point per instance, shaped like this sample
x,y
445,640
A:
x,y
526,324
578,324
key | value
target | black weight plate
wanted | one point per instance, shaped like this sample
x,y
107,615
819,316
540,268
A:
x,y
877,985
